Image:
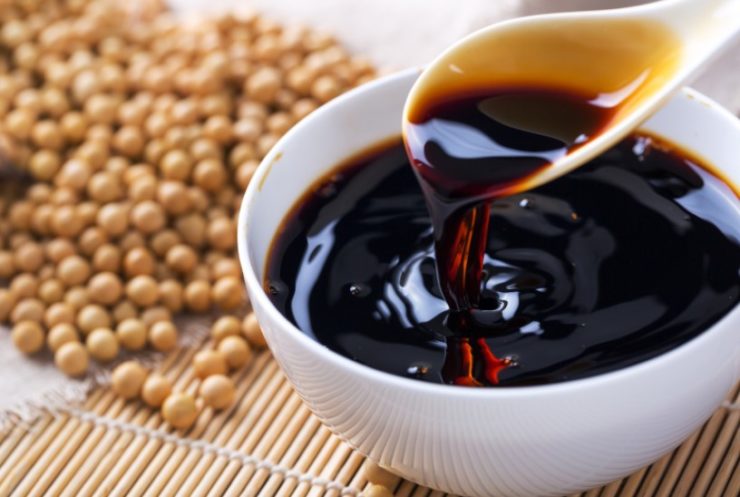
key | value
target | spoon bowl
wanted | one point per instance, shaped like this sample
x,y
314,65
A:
x,y
625,61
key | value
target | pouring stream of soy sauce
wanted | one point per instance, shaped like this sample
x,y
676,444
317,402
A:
x,y
466,152
496,109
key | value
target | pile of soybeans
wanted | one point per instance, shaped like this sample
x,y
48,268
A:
x,y
140,133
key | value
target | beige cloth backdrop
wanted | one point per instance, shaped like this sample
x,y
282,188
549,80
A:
x,y
395,34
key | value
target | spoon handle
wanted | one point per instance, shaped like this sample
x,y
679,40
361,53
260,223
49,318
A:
x,y
725,18
704,28
707,28
704,25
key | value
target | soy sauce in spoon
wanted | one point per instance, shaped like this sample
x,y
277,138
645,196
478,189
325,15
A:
x,y
494,115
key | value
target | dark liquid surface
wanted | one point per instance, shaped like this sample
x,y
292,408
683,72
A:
x,y
469,150
615,263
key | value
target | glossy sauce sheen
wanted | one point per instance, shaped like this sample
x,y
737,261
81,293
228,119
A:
x,y
469,150
492,114
615,263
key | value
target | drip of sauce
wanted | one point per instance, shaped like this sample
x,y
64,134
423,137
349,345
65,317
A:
x,y
492,114
615,263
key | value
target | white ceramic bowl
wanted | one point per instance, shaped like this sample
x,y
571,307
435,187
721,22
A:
x,y
528,441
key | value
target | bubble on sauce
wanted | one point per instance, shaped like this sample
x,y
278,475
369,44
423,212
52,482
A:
x,y
359,290
642,147
512,360
329,190
275,288
418,369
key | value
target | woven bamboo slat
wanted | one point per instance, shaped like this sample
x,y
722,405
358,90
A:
x,y
269,445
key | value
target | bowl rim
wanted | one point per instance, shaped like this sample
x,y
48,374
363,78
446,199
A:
x,y
366,372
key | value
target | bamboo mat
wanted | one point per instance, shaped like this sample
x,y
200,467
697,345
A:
x,y
269,444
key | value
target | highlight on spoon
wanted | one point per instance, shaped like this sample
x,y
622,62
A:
x,y
564,82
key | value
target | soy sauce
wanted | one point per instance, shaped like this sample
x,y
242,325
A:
x,y
493,115
468,151
619,261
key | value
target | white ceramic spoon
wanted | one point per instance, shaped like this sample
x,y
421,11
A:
x,y
637,56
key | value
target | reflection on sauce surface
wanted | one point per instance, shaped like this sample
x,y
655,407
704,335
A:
x,y
469,281
489,115
617,262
